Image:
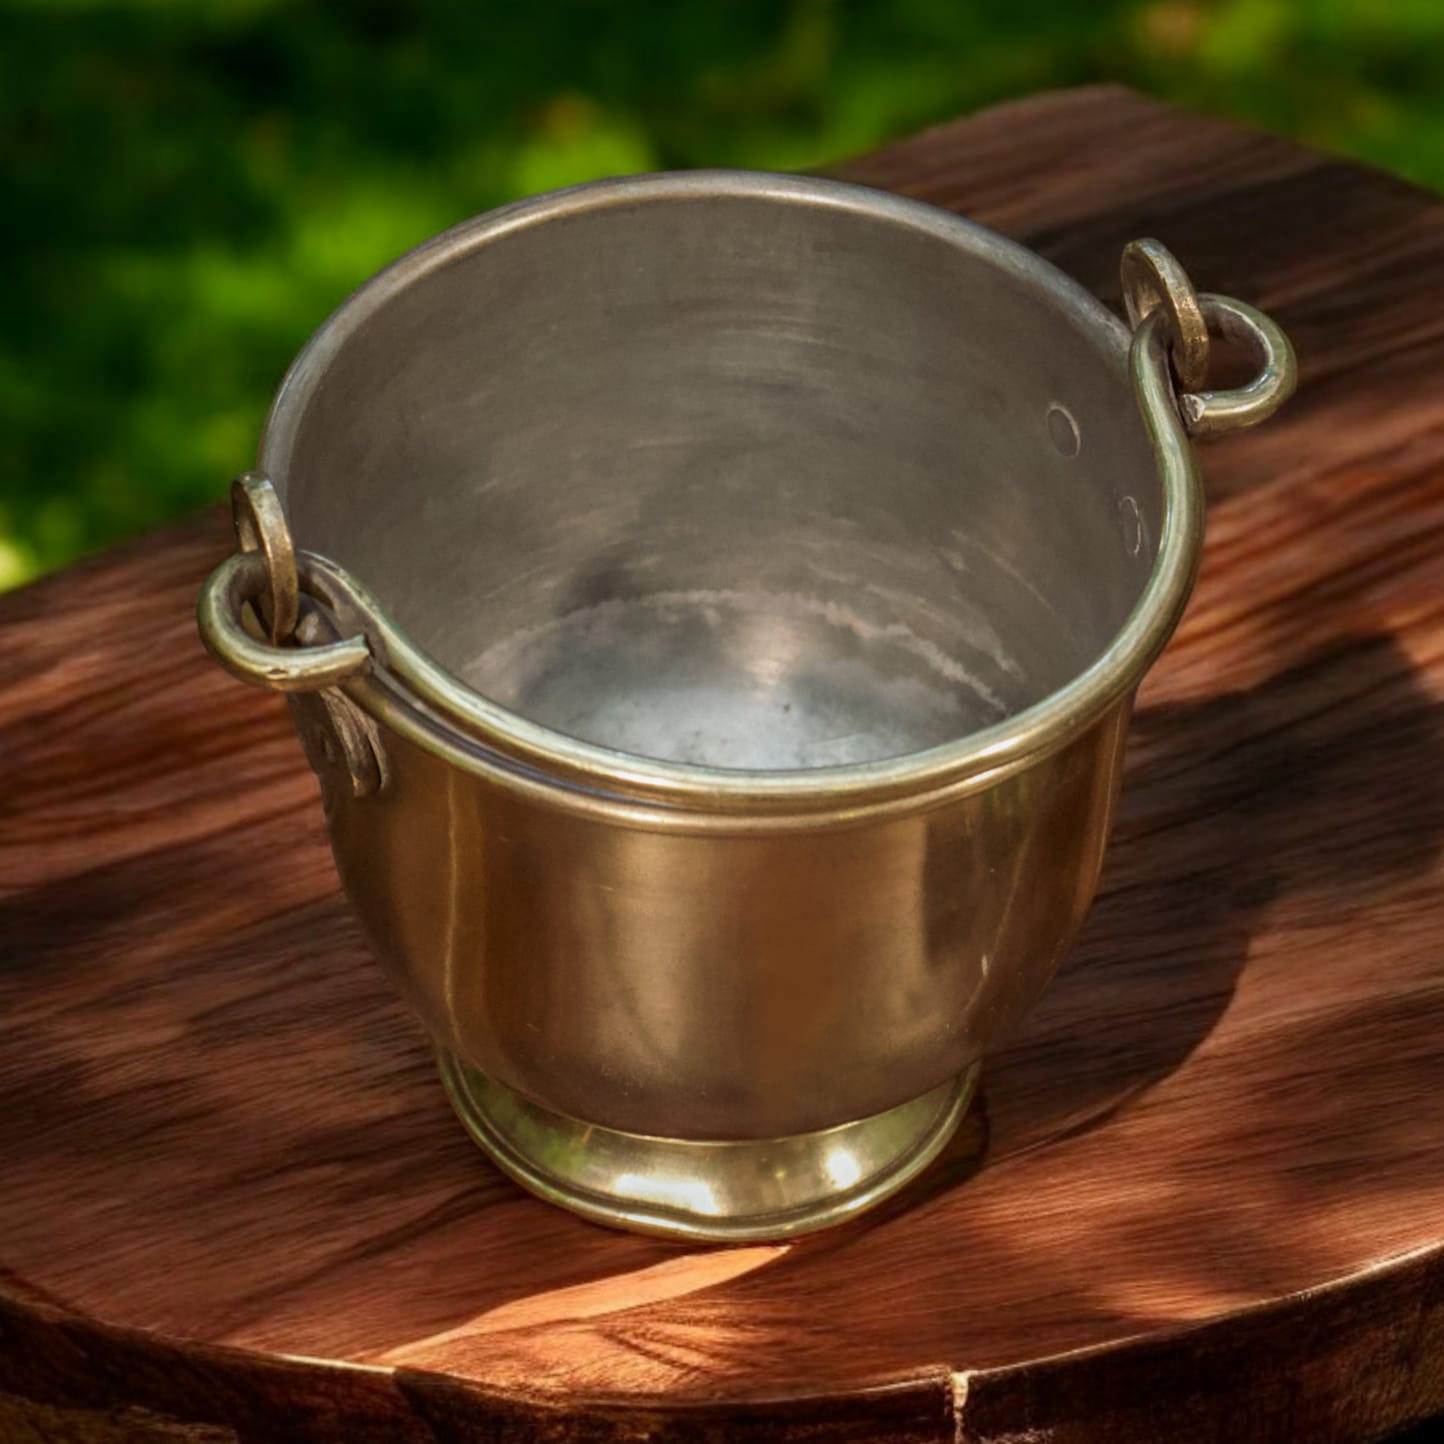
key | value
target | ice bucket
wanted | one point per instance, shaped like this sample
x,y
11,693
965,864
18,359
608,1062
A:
x,y
713,604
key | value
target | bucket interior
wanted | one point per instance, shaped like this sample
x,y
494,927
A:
x,y
747,481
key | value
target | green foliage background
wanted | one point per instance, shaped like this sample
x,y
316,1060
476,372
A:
x,y
193,184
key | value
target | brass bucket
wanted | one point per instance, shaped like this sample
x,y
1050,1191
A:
x,y
713,605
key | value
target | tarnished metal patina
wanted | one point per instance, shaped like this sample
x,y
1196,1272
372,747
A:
x,y
713,605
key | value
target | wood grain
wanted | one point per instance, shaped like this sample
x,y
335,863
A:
x,y
1203,1195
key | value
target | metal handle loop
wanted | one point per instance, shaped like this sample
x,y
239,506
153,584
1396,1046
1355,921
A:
x,y
1208,413
1173,327
244,577
1153,280
260,525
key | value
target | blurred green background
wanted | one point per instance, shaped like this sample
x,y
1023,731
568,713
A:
x,y
194,184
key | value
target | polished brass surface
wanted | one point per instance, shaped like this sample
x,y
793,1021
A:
x,y
749,578
743,984
727,1192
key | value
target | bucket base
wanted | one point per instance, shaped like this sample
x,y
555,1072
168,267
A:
x,y
725,1192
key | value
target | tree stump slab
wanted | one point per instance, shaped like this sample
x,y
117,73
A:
x,y
1202,1195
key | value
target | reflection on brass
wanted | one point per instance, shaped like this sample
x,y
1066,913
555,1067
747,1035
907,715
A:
x,y
732,1191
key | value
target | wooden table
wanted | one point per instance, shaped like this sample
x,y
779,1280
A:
x,y
1203,1196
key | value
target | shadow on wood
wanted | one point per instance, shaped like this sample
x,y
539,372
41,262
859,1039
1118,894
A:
x,y
1277,789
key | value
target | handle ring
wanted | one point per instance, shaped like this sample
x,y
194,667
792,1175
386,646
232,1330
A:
x,y
244,577
1153,280
1210,413
260,525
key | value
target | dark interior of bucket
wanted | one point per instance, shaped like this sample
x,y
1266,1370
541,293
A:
x,y
739,481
